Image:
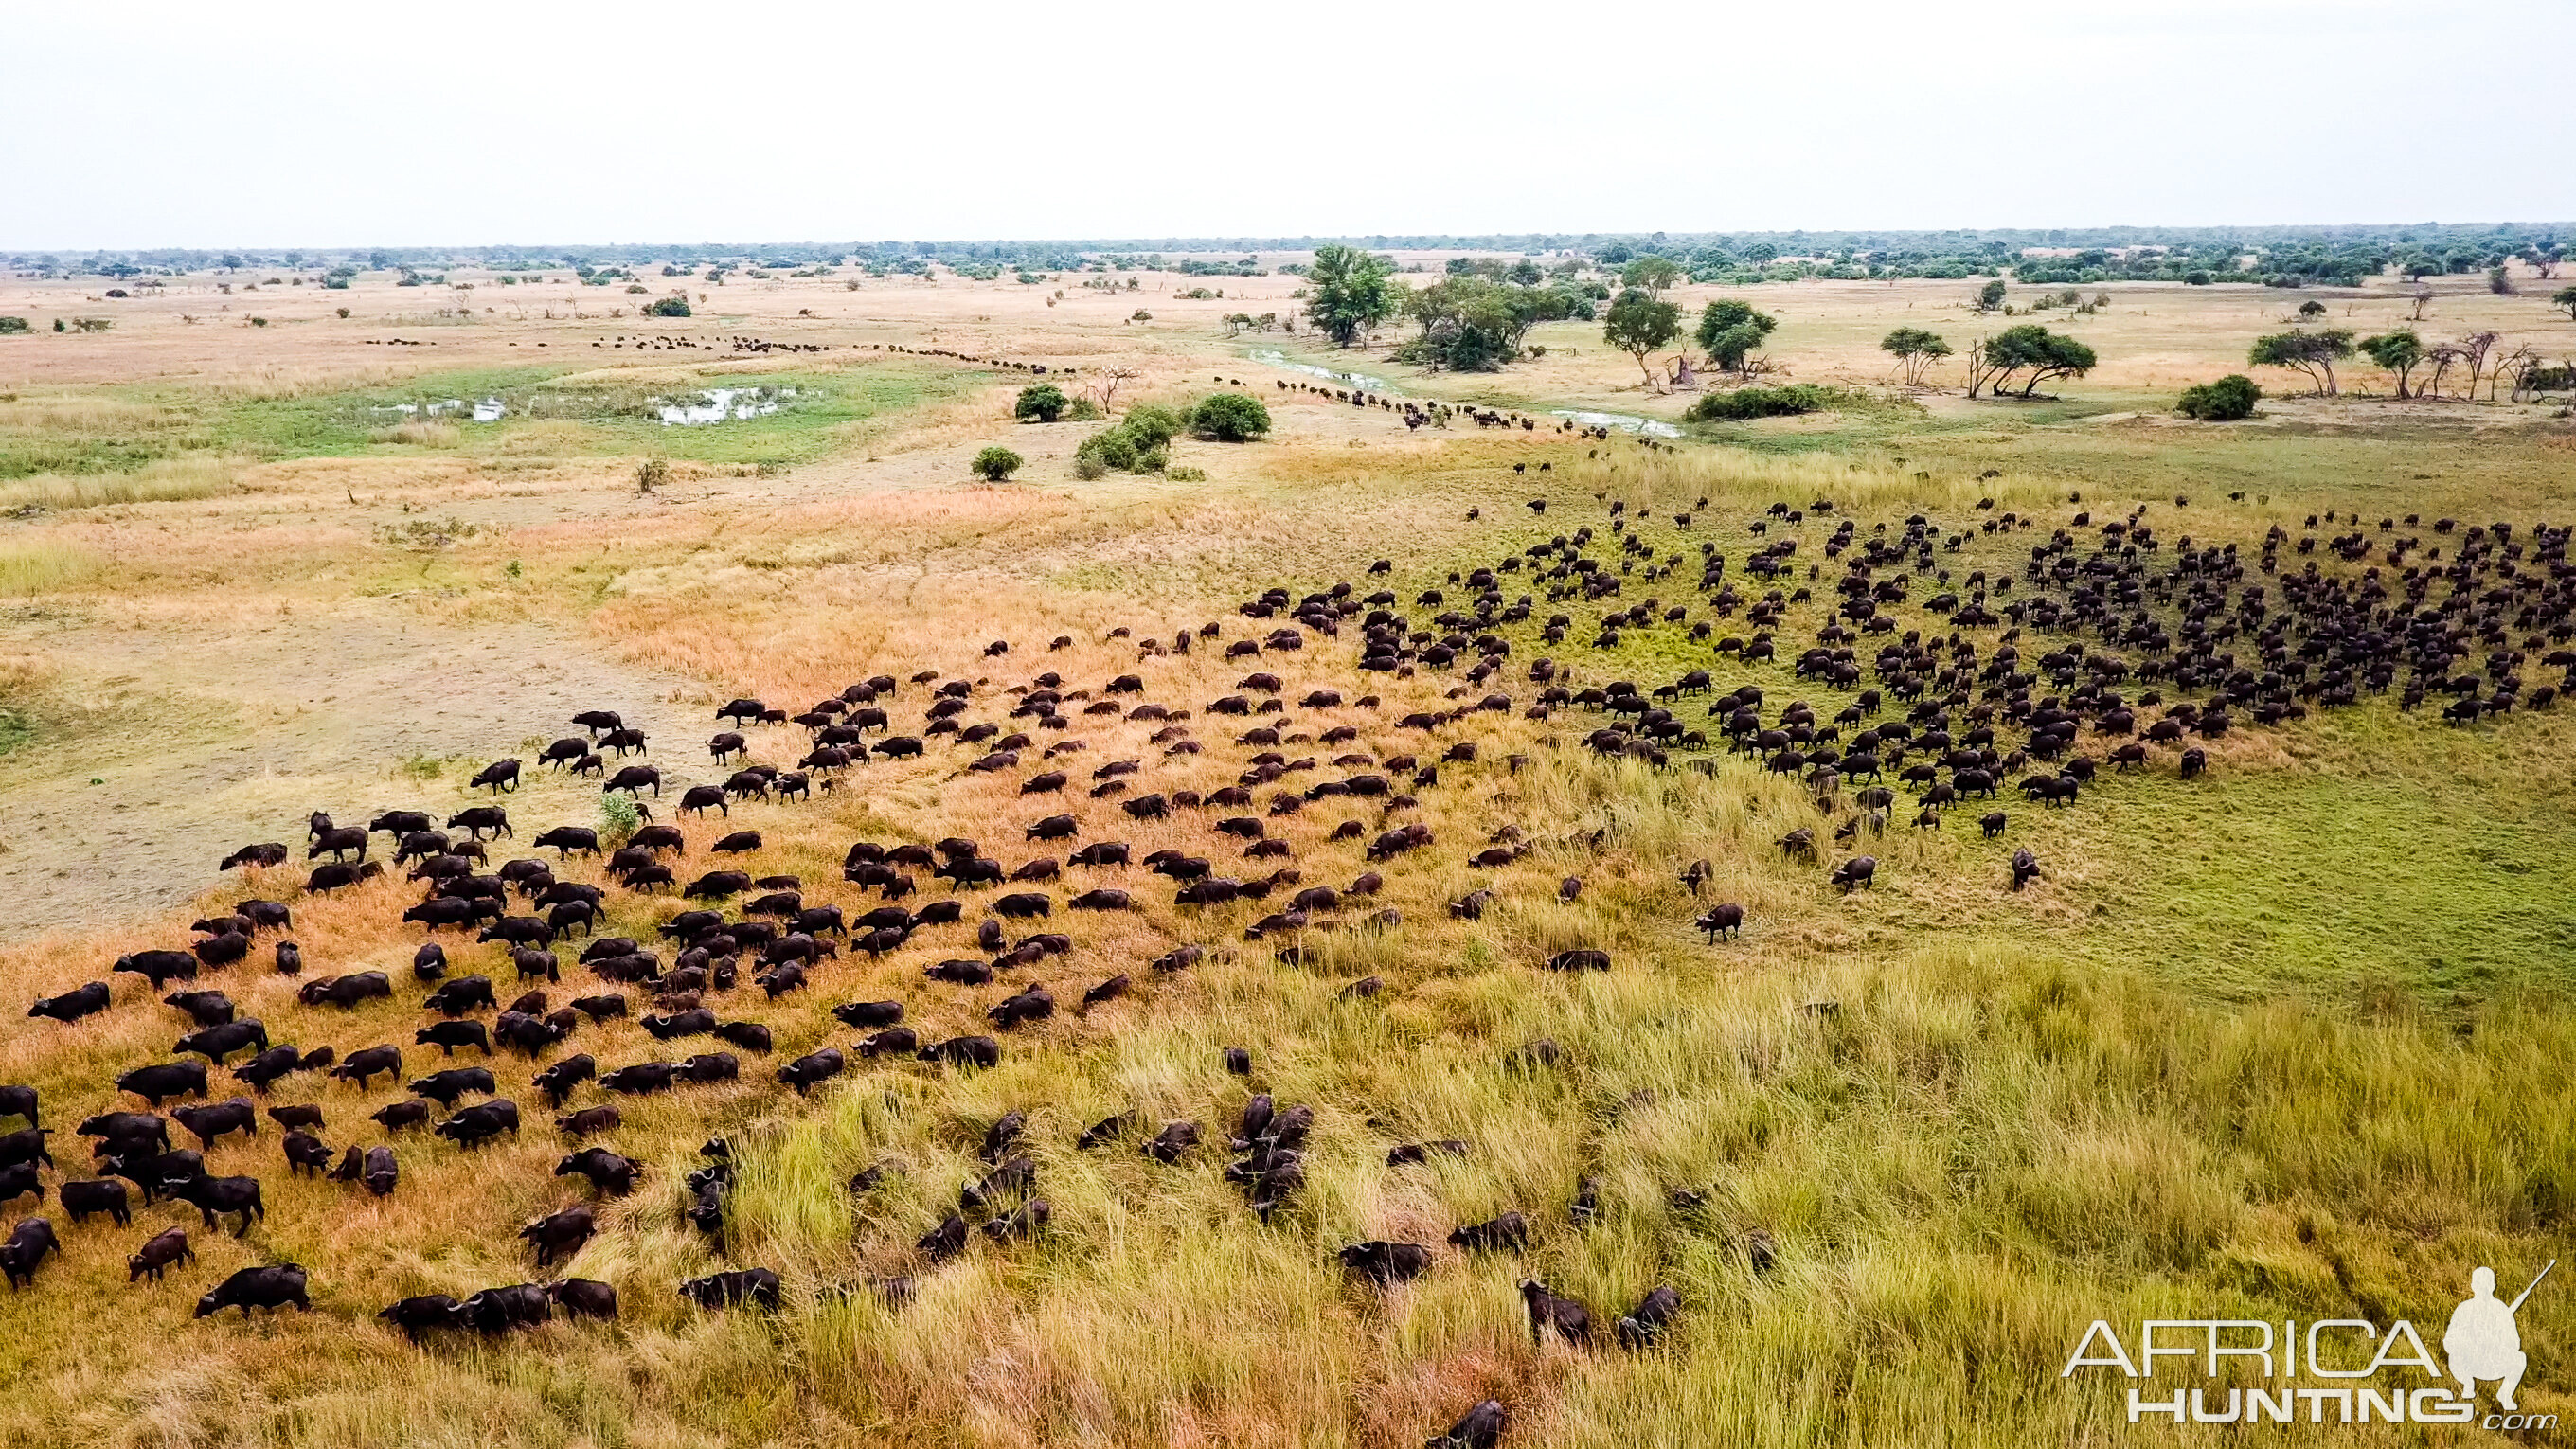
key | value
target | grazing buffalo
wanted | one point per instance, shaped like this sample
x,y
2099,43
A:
x,y
214,1197
27,1246
345,992
258,1288
86,1000
163,1250
158,967
724,1290
481,1122
414,1316
170,1079
98,1195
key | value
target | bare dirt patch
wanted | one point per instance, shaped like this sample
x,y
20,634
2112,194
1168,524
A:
x,y
163,748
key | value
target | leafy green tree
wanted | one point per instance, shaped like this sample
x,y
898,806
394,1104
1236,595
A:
x,y
1915,350
1525,272
2499,281
2313,353
1045,402
1230,417
1347,292
1617,254
996,463
2033,349
1651,273
1761,254
2224,401
2565,297
1472,324
2398,354
1638,324
1729,329
667,307
1991,295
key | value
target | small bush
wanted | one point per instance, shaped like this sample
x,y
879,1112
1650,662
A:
x,y
1108,448
668,307
1044,403
1089,468
343,311
618,819
1186,475
1763,402
637,289
996,463
2223,401
1230,417
1083,410
1152,425
9,326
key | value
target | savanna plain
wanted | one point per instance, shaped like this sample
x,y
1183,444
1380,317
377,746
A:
x,y
2287,1040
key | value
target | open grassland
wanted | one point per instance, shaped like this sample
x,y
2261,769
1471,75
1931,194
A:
x,y
2288,1042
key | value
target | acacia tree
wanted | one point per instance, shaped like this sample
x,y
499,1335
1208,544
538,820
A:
x,y
2313,353
1915,350
1637,324
1347,292
1652,274
2565,297
2399,353
2032,348
1729,330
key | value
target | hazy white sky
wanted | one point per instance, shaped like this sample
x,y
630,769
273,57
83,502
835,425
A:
x,y
296,123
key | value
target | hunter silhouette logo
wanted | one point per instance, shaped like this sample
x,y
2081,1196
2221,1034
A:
x,y
2482,1341
2332,1371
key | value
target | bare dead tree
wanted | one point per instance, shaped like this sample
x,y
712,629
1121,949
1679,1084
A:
x,y
2422,297
1105,391
2518,365
2474,348
2442,357
1979,370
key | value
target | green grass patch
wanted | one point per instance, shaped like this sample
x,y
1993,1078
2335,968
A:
x,y
549,411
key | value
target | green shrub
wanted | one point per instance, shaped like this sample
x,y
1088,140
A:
x,y
12,325
619,819
1763,402
1088,467
996,463
1152,425
1186,475
1230,417
2223,401
1083,410
1045,402
1108,448
668,307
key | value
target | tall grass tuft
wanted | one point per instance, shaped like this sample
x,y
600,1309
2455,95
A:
x,y
167,480
45,566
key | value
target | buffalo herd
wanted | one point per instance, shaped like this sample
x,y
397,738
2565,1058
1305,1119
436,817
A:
x,y
1949,666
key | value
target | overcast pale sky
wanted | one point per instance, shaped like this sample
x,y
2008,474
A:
x,y
297,123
